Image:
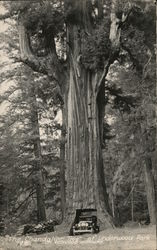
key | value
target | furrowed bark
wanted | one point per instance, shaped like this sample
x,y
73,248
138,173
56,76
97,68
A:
x,y
85,184
85,174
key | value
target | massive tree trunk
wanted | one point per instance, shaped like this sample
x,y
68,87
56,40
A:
x,y
86,182
85,113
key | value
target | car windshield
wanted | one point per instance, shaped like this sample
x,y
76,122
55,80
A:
x,y
85,218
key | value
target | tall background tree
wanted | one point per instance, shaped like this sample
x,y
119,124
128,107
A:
x,y
28,158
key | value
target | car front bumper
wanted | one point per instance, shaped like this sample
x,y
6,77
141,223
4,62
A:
x,y
75,231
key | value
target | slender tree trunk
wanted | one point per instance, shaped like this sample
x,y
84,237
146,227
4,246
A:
x,y
132,199
148,172
62,167
149,178
150,191
41,213
113,206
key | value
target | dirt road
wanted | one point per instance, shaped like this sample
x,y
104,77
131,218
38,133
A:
x,y
116,239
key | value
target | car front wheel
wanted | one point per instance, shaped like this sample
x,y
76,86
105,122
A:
x,y
97,229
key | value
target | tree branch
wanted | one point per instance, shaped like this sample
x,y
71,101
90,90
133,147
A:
x,y
14,210
125,16
25,203
49,65
27,55
102,78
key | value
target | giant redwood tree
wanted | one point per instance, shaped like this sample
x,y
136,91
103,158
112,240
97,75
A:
x,y
74,42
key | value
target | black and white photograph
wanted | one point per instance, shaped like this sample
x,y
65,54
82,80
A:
x,y
78,114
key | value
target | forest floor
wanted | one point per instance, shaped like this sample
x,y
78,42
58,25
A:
x,y
126,238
